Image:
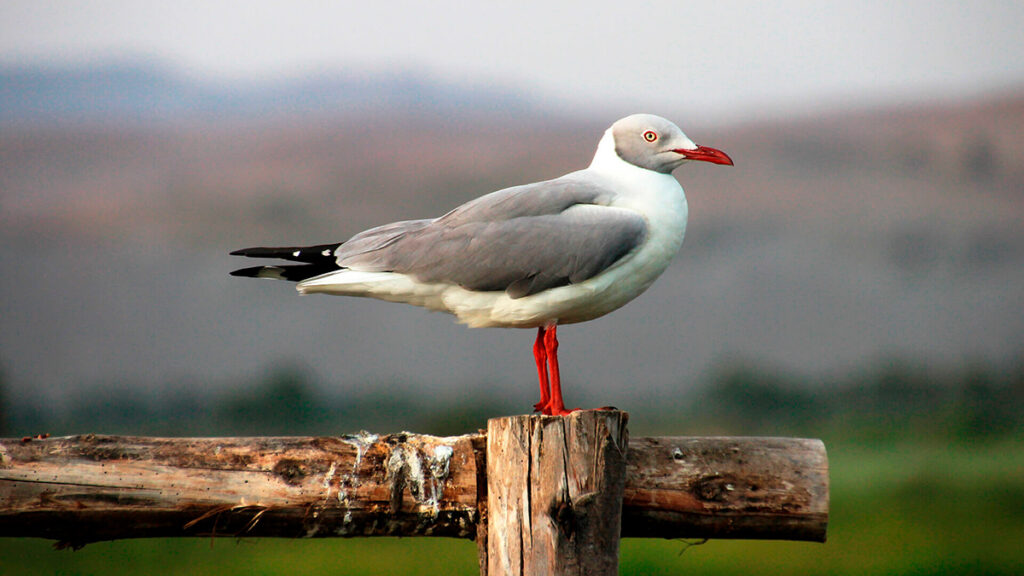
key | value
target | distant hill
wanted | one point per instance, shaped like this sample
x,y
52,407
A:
x,y
141,91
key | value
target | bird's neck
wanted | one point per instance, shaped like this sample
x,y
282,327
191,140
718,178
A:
x,y
606,158
609,164
632,180
658,197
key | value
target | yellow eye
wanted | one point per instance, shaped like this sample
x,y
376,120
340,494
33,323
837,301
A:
x,y
650,136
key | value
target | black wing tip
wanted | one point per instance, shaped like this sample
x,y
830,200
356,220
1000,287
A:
x,y
261,252
319,254
291,273
253,272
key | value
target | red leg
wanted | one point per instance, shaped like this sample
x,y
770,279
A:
x,y
540,355
555,407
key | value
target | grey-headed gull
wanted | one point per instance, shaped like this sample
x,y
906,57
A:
x,y
534,256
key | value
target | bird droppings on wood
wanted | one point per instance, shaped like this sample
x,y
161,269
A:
x,y
328,477
423,474
361,440
441,461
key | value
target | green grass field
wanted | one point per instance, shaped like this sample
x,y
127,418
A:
x,y
916,508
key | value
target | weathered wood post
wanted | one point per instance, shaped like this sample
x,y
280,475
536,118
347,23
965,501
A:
x,y
554,493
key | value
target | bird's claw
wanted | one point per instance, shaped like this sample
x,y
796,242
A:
x,y
546,409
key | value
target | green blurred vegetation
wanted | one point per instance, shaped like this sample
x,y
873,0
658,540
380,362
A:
x,y
288,401
895,400
927,471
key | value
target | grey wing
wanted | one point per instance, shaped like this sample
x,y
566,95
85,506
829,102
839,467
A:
x,y
521,240
537,199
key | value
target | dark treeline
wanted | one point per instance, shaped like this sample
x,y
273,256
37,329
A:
x,y
891,398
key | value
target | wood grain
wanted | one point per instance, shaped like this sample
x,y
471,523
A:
x,y
554,493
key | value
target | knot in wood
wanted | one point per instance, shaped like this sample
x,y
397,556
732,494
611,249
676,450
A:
x,y
291,471
713,488
565,517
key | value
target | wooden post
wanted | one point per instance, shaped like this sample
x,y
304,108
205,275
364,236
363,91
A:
x,y
554,493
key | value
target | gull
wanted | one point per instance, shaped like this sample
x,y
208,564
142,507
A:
x,y
538,255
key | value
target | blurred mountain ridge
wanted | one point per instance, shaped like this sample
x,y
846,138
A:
x,y
148,91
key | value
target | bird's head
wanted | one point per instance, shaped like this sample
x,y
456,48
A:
x,y
654,143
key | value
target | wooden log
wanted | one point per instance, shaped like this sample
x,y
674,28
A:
x,y
707,487
554,493
81,489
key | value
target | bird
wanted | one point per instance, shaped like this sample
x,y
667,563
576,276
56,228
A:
x,y
533,256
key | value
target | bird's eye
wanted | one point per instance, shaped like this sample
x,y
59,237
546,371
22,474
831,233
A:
x,y
650,136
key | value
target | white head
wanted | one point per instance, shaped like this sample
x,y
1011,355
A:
x,y
654,143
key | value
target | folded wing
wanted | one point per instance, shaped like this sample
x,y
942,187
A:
x,y
521,240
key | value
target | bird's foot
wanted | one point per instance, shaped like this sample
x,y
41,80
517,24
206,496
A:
x,y
546,409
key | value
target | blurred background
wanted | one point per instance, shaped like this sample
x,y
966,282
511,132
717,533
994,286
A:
x,y
858,276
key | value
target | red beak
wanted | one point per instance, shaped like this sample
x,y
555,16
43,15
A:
x,y
705,154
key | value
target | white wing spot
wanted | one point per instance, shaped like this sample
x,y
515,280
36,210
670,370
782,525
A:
x,y
296,253
326,252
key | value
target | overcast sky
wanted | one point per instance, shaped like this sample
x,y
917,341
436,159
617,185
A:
x,y
723,57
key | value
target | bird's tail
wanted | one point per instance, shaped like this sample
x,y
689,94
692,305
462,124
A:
x,y
315,260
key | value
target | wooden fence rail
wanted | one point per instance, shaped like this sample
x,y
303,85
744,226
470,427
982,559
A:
x,y
81,489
